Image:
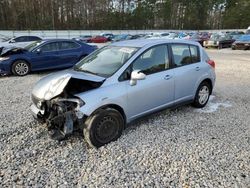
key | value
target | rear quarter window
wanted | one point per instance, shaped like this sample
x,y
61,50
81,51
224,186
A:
x,y
195,53
185,54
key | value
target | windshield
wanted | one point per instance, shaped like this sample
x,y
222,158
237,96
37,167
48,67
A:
x,y
195,36
244,38
105,61
32,46
217,37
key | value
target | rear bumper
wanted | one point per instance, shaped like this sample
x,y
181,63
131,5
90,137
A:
x,y
210,45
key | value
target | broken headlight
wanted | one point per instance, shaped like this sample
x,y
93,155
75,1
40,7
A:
x,y
4,58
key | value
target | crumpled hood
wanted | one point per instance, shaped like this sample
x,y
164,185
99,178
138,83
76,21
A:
x,y
10,48
53,85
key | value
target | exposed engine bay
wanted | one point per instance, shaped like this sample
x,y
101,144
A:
x,y
61,113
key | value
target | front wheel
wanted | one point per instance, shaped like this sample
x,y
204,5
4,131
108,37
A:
x,y
202,95
104,126
20,68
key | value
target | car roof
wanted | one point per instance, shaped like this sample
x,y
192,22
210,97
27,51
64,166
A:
x,y
58,40
149,42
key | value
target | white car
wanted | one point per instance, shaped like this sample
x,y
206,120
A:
x,y
159,36
20,41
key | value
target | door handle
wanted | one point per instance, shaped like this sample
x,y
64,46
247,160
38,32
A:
x,y
197,68
168,77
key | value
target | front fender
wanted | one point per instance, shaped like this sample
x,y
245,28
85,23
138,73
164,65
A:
x,y
114,94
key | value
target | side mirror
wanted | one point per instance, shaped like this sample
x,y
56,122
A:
x,y
136,75
12,41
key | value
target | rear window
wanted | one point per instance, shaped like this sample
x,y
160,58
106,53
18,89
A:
x,y
68,45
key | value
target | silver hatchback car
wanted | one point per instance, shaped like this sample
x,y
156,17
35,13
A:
x,y
121,82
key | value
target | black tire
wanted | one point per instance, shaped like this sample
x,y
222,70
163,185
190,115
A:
x,y
198,102
220,46
104,126
20,68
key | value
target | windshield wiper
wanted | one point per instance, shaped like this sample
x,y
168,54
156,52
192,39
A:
x,y
86,71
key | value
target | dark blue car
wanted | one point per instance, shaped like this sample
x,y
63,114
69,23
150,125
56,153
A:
x,y
43,55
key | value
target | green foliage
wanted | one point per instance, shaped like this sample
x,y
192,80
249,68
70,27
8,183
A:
x,y
124,14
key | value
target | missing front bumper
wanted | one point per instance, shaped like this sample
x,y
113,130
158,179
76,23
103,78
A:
x,y
59,125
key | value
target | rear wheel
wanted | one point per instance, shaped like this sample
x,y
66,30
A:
x,y
202,95
20,68
104,126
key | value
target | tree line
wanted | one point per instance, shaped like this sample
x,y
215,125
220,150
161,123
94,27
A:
x,y
124,14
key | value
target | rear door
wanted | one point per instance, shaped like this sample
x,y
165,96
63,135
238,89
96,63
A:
x,y
46,56
187,70
69,53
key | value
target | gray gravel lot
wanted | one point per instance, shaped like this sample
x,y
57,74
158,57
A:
x,y
184,147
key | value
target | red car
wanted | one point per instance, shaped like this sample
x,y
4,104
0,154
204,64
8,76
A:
x,y
98,39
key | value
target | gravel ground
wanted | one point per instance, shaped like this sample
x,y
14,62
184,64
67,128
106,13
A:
x,y
184,147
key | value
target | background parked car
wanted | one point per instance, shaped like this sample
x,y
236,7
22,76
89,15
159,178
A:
x,y
199,37
109,36
21,41
122,37
243,43
4,38
98,39
172,36
159,36
219,41
83,38
43,55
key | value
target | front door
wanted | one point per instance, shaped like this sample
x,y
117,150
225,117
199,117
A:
x,y
45,57
157,90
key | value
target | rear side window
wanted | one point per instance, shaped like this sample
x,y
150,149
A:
x,y
184,54
68,45
33,38
50,47
195,53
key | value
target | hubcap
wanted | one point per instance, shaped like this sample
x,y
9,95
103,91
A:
x,y
22,68
107,129
203,94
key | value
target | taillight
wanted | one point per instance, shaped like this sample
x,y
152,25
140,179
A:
x,y
211,62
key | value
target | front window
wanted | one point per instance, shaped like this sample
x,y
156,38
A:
x,y
153,60
32,46
105,61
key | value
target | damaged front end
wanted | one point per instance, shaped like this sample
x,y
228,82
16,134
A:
x,y
64,116
55,103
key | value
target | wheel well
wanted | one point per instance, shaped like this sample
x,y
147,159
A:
x,y
118,108
20,60
210,84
